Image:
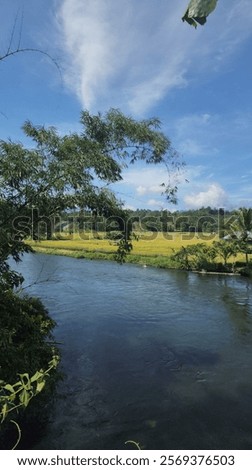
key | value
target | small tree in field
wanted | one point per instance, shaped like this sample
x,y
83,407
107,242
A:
x,y
225,249
196,257
242,230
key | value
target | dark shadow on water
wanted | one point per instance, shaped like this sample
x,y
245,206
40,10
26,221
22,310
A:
x,y
181,426
217,422
133,398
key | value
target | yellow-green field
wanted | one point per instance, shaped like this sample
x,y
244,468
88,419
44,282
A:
x,y
148,244
151,248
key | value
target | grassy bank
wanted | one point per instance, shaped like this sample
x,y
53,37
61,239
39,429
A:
x,y
151,249
157,261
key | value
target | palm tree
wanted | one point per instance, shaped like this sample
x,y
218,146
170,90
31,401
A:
x,y
243,228
225,249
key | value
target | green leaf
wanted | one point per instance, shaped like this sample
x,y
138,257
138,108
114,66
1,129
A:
x,y
9,388
36,376
198,10
25,379
4,411
17,384
54,362
24,398
40,386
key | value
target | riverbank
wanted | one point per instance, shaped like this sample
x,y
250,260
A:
x,y
157,261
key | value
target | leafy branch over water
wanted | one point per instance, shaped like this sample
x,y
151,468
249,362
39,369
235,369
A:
x,y
16,396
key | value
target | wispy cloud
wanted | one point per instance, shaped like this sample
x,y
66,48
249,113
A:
x,y
131,54
116,49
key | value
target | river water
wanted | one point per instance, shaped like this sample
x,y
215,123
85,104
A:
x,y
160,357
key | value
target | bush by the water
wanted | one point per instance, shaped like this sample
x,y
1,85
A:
x,y
204,257
26,347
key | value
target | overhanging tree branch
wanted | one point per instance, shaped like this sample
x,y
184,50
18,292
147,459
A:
x,y
10,53
13,50
198,11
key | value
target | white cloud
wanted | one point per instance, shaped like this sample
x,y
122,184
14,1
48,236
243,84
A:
x,y
88,44
141,183
131,54
213,196
141,190
120,43
155,203
148,177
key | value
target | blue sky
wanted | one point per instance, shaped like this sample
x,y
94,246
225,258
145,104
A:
x,y
140,57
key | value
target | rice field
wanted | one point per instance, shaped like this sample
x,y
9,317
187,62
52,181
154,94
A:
x,y
146,244
151,248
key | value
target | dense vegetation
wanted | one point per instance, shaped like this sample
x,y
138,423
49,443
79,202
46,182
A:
x,y
26,342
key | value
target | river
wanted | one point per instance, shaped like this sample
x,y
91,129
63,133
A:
x,y
160,357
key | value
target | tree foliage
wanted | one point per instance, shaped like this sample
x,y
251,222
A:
x,y
61,172
196,257
198,11
74,171
28,358
26,340
17,396
241,229
225,249
205,257
242,225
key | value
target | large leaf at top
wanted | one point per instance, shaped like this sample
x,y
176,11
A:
x,y
198,10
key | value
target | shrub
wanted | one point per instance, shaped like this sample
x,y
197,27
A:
x,y
196,257
26,348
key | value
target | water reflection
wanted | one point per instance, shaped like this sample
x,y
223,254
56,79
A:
x,y
239,305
